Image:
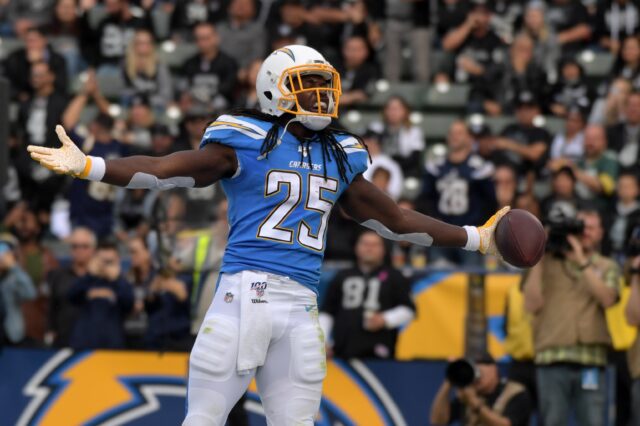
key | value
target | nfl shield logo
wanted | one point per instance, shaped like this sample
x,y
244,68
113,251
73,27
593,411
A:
x,y
228,297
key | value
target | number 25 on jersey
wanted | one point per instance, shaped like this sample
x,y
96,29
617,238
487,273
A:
x,y
271,228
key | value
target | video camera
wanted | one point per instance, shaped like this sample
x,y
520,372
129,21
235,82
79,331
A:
x,y
560,226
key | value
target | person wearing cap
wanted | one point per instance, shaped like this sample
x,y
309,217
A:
x,y
523,144
15,287
489,400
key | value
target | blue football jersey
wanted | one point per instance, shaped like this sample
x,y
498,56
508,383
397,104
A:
x,y
279,205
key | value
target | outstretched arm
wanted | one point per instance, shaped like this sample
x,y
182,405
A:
x,y
181,169
373,209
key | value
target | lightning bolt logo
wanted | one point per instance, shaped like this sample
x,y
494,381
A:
x,y
111,385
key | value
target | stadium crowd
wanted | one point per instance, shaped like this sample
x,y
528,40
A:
x,y
465,106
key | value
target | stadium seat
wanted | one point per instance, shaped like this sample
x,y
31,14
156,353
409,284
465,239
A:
x,y
8,45
497,124
554,124
454,97
161,23
596,64
435,126
357,121
111,85
173,56
413,93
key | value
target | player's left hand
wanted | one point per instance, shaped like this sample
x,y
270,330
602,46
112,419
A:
x,y
487,233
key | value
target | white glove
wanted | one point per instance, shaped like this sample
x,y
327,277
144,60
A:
x,y
487,233
68,159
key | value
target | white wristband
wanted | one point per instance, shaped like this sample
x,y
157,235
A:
x,y
473,238
97,170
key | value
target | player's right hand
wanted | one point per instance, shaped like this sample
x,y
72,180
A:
x,y
68,159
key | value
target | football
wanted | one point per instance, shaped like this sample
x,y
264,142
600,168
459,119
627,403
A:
x,y
520,238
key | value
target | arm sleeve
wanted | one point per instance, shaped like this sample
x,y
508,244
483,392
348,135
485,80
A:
x,y
124,293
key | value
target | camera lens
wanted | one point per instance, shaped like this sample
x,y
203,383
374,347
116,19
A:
x,y
461,373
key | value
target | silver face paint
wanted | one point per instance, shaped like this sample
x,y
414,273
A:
x,y
146,181
421,239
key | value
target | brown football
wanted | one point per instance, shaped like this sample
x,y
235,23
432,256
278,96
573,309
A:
x,y
520,238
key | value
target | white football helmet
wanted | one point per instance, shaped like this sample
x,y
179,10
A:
x,y
279,81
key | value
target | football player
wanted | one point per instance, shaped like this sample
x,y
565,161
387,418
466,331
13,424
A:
x,y
283,169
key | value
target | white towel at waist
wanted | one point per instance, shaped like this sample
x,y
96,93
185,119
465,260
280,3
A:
x,y
255,321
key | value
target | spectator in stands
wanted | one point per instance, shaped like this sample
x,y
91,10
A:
x,y
211,74
632,312
105,46
597,171
522,144
242,37
627,64
451,14
570,21
407,22
163,141
357,72
519,74
572,90
506,15
144,73
248,97
91,203
400,139
63,314
410,258
104,298
625,215
18,66
505,178
569,145
624,137
568,294
132,208
488,401
458,189
167,305
563,197
36,260
383,171
365,305
66,32
616,20
527,201
480,54
546,51
186,14
16,287
610,110
141,275
135,131
25,14
290,25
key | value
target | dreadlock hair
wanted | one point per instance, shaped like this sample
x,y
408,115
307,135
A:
x,y
331,149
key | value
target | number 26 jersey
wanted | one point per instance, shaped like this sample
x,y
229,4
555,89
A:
x,y
279,204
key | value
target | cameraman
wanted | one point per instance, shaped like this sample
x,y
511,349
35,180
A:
x,y
568,292
486,401
633,318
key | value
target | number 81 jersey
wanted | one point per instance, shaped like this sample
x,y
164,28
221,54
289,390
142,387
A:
x,y
279,204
